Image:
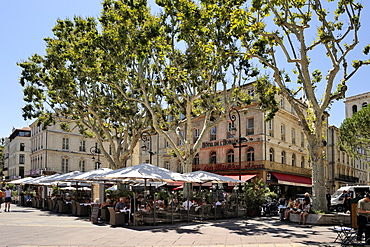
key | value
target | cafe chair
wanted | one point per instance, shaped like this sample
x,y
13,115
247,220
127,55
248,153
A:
x,y
62,207
116,218
74,208
81,210
345,235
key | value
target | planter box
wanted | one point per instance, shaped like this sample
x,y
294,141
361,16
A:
x,y
322,219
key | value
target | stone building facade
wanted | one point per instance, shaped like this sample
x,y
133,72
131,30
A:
x,y
343,170
274,151
17,151
54,150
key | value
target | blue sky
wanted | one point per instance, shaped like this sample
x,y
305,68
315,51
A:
x,y
24,24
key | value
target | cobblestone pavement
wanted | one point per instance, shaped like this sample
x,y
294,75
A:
x,y
29,227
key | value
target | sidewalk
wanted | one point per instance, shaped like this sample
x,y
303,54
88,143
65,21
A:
x,y
29,227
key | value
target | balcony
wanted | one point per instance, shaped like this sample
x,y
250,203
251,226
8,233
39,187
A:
x,y
231,167
347,178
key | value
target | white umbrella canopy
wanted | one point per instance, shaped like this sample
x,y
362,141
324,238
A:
x,y
205,177
145,172
90,175
61,177
22,180
35,180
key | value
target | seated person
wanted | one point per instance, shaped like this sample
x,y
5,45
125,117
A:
x,y
305,211
289,208
296,207
121,204
218,203
107,203
187,204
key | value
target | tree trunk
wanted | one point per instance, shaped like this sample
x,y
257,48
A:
x,y
318,177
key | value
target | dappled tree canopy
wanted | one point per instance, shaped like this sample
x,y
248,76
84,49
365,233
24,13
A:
x,y
304,47
70,80
354,134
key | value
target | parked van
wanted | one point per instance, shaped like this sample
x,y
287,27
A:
x,y
338,196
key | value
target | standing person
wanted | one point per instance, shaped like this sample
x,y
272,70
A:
x,y
8,198
328,199
347,201
363,213
282,207
1,198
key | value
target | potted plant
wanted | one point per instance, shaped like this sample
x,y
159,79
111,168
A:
x,y
254,195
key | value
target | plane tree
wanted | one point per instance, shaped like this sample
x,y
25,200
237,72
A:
x,y
70,81
185,67
354,135
304,47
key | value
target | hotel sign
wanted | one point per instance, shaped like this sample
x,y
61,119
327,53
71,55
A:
x,y
223,142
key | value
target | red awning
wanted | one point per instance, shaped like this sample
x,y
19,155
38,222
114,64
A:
x,y
243,177
293,179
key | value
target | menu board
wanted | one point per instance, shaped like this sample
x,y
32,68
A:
x,y
94,212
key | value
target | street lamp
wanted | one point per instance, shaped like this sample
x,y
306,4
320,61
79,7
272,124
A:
x,y
147,138
232,115
94,150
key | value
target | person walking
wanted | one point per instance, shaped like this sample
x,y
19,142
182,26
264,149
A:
x,y
1,198
328,199
8,199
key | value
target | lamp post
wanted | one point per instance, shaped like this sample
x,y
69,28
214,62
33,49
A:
x,y
147,138
233,130
94,150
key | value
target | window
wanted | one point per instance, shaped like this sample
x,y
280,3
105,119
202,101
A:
x,y
65,144
64,165
110,149
302,162
230,156
293,160
180,168
271,128
21,159
82,165
98,165
212,158
179,139
282,131
167,144
293,136
272,154
292,110
251,92
21,171
302,139
82,146
250,154
364,104
196,134
230,126
167,165
250,126
283,159
22,146
213,133
282,105
196,160
354,109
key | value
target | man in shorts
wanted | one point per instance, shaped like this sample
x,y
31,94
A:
x,y
1,198
8,199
